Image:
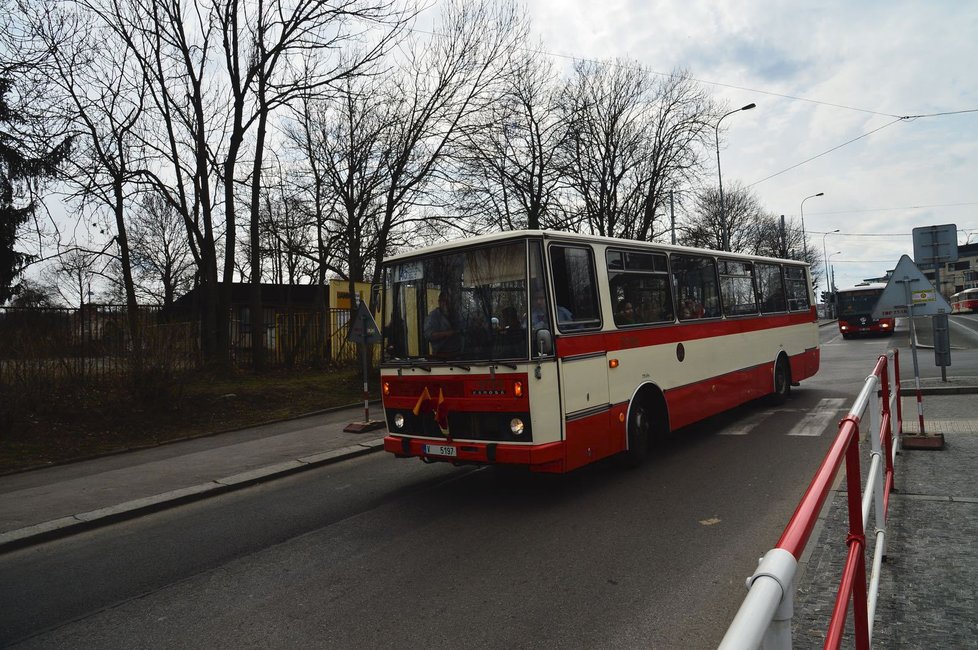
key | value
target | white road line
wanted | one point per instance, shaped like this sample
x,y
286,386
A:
x,y
746,425
817,419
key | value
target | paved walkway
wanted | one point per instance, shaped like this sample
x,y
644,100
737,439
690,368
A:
x,y
927,596
60,500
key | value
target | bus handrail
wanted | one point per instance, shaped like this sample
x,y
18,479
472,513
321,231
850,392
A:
x,y
766,612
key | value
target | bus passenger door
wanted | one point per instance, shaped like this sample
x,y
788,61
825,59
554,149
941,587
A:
x,y
584,388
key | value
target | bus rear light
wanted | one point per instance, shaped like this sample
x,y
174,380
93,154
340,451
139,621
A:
x,y
884,325
518,389
516,426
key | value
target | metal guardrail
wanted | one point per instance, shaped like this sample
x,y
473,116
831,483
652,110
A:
x,y
764,618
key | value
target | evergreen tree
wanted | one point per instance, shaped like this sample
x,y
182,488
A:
x,y
20,171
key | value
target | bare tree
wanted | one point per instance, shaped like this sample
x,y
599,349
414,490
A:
x,y
508,172
704,228
274,52
163,264
444,85
344,139
605,109
680,112
106,94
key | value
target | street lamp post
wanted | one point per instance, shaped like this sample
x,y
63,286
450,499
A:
x,y
804,239
831,283
825,258
724,234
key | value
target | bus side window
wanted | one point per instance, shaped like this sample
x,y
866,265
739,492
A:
x,y
575,289
695,281
639,287
770,289
797,288
737,288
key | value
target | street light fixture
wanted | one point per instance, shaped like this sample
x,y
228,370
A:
x,y
724,234
832,281
830,278
804,239
825,258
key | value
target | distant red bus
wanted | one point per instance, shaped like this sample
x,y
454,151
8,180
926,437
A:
x,y
855,308
965,302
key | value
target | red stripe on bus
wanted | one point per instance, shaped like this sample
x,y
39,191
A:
x,y
578,344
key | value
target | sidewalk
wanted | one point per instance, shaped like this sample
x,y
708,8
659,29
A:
x,y
62,500
927,596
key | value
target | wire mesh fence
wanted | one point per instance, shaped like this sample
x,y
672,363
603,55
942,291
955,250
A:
x,y
93,342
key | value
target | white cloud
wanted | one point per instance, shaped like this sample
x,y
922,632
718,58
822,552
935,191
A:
x,y
897,58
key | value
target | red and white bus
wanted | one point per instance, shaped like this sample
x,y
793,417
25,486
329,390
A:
x,y
855,309
554,350
964,302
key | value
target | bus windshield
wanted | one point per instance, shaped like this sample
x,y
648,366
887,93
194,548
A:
x,y
466,305
852,303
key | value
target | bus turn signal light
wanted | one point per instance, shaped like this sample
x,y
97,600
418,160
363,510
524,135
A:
x,y
387,388
518,389
612,363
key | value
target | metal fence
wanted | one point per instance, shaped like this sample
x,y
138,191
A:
x,y
93,342
764,618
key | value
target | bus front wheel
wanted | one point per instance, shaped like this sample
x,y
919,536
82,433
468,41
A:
x,y
639,432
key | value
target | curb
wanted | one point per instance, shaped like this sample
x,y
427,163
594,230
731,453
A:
x,y
65,526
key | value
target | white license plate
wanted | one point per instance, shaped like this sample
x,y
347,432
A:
x,y
440,450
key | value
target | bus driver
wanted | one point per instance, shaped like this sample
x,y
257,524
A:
x,y
439,330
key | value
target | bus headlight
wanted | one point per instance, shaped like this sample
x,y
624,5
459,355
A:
x,y
516,426
399,420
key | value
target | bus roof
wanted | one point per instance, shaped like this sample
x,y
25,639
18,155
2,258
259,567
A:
x,y
556,235
864,286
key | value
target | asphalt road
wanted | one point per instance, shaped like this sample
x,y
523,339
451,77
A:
x,y
382,553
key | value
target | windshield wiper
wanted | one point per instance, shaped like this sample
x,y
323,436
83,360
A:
x,y
505,364
412,364
459,365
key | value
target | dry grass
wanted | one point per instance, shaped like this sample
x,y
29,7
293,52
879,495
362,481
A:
x,y
58,423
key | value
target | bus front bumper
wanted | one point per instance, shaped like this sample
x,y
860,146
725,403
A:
x,y
547,457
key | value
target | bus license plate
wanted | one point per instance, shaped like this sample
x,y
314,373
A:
x,y
440,450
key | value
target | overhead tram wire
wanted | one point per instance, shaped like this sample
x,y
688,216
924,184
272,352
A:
x,y
904,118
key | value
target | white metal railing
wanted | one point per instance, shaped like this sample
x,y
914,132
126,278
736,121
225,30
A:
x,y
764,618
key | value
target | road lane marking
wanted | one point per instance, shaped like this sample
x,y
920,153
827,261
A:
x,y
745,425
817,419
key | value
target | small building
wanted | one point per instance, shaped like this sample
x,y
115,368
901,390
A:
x,y
293,317
956,276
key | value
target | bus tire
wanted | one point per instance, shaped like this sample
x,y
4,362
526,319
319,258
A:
x,y
639,434
782,381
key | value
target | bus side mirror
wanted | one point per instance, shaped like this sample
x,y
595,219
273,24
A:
x,y
545,343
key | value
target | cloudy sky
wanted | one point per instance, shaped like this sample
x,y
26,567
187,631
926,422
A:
x,y
823,74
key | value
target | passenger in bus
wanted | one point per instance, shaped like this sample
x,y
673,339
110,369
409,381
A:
x,y
510,323
650,311
625,313
439,331
690,308
538,313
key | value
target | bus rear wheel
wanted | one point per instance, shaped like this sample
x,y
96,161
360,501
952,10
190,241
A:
x,y
782,381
